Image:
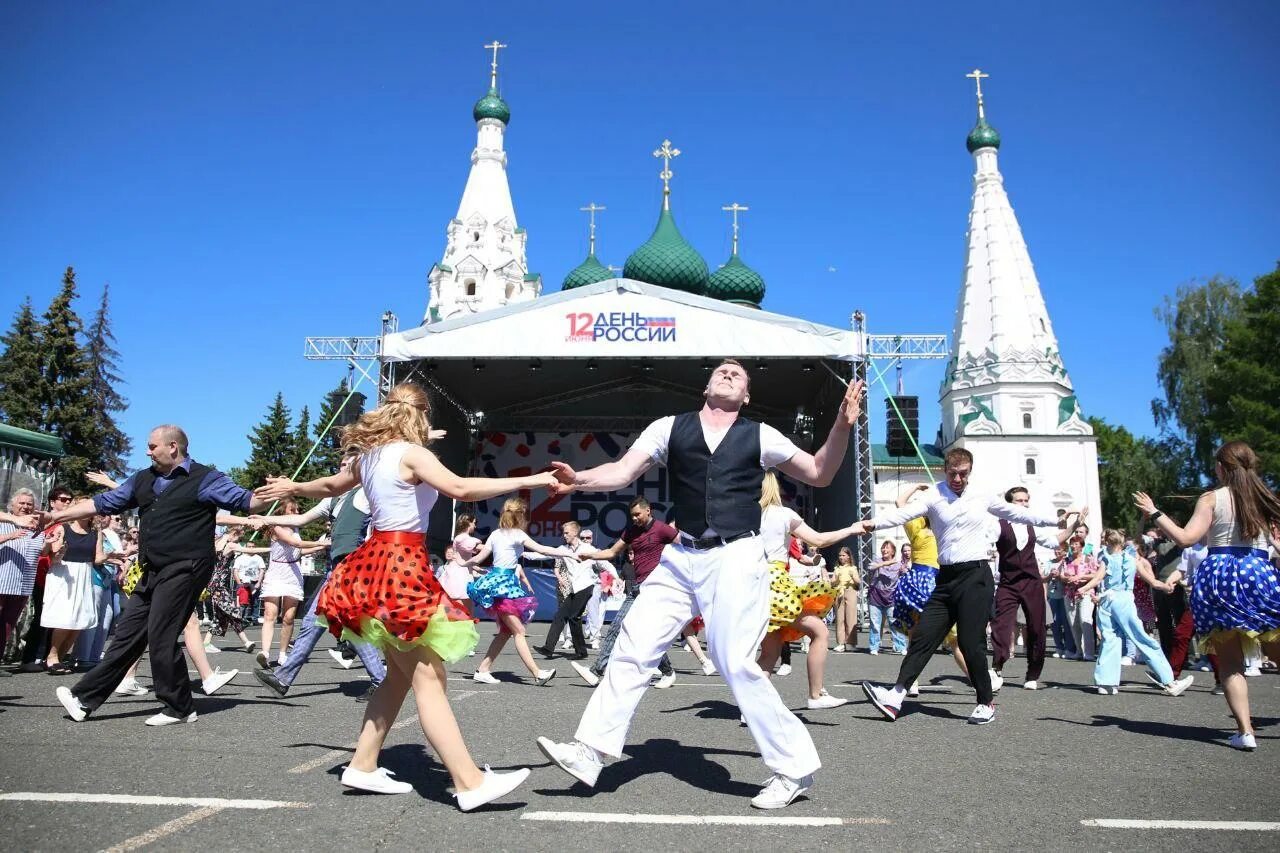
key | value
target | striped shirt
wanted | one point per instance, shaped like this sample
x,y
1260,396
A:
x,y
18,561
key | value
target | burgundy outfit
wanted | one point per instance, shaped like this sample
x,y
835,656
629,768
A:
x,y
1020,585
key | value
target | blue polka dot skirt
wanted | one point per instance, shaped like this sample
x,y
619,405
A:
x,y
911,594
1235,591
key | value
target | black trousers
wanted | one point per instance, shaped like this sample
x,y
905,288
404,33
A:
x,y
36,641
961,598
571,610
152,619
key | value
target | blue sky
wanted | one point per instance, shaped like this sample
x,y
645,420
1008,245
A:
x,y
247,174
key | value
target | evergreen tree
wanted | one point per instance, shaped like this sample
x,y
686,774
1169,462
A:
x,y
271,447
110,444
301,470
329,452
69,410
21,401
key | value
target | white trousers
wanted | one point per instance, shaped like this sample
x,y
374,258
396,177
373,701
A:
x,y
729,587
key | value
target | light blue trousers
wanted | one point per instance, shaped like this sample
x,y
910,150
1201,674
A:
x,y
1117,619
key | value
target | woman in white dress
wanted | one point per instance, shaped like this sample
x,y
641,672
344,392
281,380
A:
x,y
281,589
69,603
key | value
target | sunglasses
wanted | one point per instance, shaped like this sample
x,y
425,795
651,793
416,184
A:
x,y
60,499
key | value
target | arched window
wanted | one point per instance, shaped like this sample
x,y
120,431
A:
x,y
1026,420
471,287
1031,466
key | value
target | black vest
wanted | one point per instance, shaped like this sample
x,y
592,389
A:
x,y
718,490
1015,562
349,526
174,525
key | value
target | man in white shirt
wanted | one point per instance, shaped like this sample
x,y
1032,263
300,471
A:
x,y
247,570
960,519
582,584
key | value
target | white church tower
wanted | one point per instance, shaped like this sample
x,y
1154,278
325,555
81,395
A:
x,y
484,264
1006,395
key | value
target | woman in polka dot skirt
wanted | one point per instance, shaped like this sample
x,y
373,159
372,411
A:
x,y
385,593
1235,593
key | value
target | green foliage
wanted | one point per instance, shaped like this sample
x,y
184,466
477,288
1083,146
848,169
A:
x,y
1243,401
69,410
1196,320
272,447
110,444
329,452
20,373
1127,464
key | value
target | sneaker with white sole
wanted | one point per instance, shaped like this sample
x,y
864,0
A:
x,y
708,668
1126,661
914,690
1253,671
377,781
495,785
780,791
211,649
1243,740
250,648
1031,685
826,700
340,660
1217,690
216,680
71,704
1179,686
130,687
544,675
982,715
484,677
997,680
665,681
575,758
163,719
883,698
1106,690
784,670
585,673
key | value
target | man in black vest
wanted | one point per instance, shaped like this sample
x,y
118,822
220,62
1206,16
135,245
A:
x,y
1020,585
716,568
178,501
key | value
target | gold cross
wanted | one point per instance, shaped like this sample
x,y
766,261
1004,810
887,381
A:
x,y
591,209
666,153
977,76
495,46
735,209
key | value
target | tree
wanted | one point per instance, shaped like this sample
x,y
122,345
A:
x,y
271,445
69,410
110,444
21,403
303,468
1244,399
347,406
1127,464
1196,320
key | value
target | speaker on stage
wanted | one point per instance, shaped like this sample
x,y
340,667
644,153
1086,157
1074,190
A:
x,y
899,435
351,411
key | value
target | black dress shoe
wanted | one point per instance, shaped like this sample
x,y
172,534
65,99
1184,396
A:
x,y
269,680
32,666
368,694
545,652
582,656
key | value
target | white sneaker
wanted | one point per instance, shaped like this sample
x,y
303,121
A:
x,y
1243,740
575,758
544,675
249,648
784,670
1057,654
708,668
595,645
997,680
1178,687
780,791
163,719
130,687
484,677
1252,671
838,649
1104,690
1126,661
982,715
495,785
377,781
1031,685
826,700
804,646
217,679
211,649
665,681
883,698
340,660
585,673
74,709
1217,690
914,690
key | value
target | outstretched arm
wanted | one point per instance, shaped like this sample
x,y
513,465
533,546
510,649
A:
x,y
819,539
479,556
604,554
1196,527
820,468
531,544
323,487
608,477
422,466
905,497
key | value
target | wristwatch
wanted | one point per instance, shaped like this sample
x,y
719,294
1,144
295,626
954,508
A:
x,y
1155,516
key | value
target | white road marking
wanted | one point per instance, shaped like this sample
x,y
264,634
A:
x,y
135,800
700,820
1218,825
165,829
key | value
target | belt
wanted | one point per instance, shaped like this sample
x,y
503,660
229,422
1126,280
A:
x,y
967,564
398,537
706,543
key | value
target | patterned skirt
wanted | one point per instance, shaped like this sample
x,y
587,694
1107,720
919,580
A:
x,y
226,604
499,591
1235,592
385,594
788,601
911,594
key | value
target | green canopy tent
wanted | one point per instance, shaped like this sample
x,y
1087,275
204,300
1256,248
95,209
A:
x,y
27,460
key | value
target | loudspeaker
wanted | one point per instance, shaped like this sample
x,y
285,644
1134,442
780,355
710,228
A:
x,y
898,435
351,411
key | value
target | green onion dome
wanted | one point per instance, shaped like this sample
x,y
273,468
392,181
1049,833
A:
x,y
589,271
736,282
983,135
667,260
492,106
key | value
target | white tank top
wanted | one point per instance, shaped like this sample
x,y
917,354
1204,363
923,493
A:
x,y
775,529
507,545
1222,530
393,503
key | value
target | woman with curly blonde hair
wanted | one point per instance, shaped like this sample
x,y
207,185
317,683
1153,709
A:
x,y
385,592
